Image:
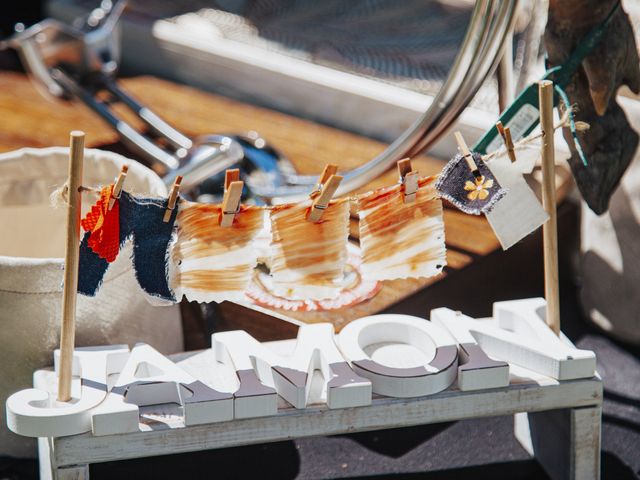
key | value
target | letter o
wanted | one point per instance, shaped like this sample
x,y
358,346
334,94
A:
x,y
433,376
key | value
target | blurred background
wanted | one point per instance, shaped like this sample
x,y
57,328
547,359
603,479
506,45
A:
x,y
336,81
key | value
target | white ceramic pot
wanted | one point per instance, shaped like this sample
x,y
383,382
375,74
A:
x,y
31,271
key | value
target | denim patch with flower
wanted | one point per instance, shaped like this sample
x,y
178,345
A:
x,y
472,193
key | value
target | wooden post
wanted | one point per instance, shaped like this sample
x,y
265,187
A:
x,y
550,228
69,291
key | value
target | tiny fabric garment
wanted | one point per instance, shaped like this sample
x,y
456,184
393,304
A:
x,y
472,195
307,259
398,239
140,221
103,226
211,263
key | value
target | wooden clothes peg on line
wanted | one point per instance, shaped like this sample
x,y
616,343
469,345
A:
x,y
117,188
329,169
466,153
232,195
173,198
505,133
324,191
409,179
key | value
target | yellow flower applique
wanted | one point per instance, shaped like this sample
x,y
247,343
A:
x,y
479,190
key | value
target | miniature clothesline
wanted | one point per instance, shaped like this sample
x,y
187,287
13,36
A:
x,y
353,199
466,181
381,209
401,232
59,196
196,256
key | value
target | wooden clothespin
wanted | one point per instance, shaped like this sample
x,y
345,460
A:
x,y
173,198
328,183
117,188
505,133
466,153
232,194
409,179
329,169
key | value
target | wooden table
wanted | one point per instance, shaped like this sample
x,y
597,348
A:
x,y
31,120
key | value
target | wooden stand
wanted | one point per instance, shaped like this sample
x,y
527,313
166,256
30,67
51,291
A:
x,y
571,442
563,433
550,228
69,292
265,392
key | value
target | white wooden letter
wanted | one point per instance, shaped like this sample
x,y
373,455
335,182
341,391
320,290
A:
x,y
262,373
256,394
36,413
150,378
519,335
476,370
403,356
316,350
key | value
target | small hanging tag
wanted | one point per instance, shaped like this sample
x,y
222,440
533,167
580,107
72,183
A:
x,y
232,195
468,183
117,188
519,213
409,180
523,115
321,201
173,197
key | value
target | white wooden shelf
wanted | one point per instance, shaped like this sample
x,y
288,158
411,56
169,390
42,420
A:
x,y
163,431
